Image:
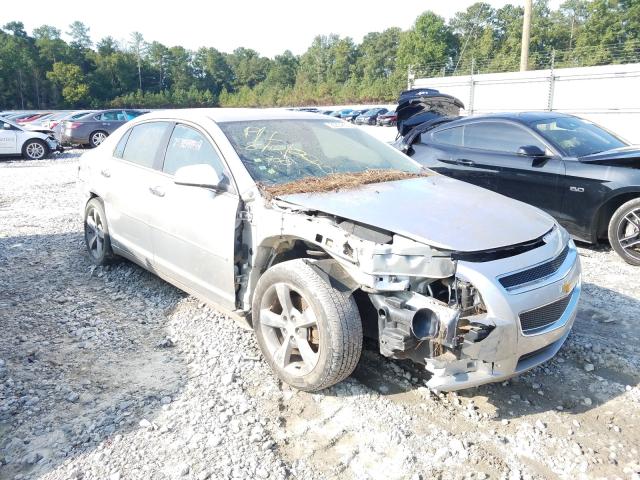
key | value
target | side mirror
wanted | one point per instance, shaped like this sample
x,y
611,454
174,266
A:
x,y
6,126
532,151
203,176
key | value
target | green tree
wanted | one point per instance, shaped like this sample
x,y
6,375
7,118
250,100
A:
x,y
428,46
70,79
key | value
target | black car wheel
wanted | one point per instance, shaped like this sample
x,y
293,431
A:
x,y
624,232
96,138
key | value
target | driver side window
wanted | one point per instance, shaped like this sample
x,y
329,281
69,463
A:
x,y
498,137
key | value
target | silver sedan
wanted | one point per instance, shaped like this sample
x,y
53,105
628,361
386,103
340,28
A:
x,y
315,234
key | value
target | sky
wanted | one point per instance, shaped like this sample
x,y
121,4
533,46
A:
x,y
269,27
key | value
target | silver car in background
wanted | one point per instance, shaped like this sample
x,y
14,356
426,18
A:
x,y
316,235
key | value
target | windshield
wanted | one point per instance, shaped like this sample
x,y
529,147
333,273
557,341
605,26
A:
x,y
282,151
578,137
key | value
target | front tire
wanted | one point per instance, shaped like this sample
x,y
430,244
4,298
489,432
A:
x,y
97,137
309,332
96,233
35,149
624,232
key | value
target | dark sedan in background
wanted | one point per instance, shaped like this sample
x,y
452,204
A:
x,y
92,128
351,116
585,176
370,116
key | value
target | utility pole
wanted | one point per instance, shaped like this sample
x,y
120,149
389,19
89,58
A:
x,y
526,33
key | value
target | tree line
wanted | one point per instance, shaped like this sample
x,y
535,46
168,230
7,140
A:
x,y
43,70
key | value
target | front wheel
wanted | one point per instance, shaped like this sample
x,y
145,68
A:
x,y
35,149
309,332
624,232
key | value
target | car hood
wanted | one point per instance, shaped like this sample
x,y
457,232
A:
x,y
623,157
435,210
37,128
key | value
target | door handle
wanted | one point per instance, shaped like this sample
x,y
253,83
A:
x,y
466,162
157,191
105,173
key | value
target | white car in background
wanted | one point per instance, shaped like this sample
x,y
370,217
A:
x,y
30,144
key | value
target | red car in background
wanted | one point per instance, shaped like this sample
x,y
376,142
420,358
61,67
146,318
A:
x,y
31,118
387,119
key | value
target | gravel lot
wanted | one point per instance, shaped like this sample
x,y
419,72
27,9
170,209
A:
x,y
111,373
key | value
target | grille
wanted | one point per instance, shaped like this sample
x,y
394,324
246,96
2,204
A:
x,y
536,273
544,316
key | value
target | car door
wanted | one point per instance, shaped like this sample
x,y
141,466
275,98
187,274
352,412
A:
x,y
194,228
110,120
127,177
8,139
491,148
443,150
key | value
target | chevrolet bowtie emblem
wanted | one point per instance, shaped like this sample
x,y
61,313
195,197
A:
x,y
567,287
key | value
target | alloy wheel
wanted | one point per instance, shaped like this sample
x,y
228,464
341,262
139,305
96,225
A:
x,y
629,233
290,329
35,150
97,138
94,233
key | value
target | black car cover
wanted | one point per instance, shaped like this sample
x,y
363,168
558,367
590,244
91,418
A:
x,y
423,104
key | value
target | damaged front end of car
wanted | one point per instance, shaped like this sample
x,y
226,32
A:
x,y
443,309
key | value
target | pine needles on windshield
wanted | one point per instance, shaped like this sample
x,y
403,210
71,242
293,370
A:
x,y
337,181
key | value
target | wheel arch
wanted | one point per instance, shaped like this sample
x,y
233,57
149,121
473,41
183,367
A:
x,y
606,211
23,148
277,249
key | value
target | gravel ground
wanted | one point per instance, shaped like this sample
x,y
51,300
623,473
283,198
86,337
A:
x,y
111,373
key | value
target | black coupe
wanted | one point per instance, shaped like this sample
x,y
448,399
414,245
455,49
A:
x,y
585,176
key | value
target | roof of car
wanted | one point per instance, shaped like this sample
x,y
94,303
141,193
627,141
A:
x,y
524,117
234,114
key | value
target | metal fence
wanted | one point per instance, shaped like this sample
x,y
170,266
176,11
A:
x,y
581,56
607,95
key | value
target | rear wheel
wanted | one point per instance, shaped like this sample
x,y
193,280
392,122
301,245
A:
x,y
35,149
96,233
309,332
96,138
624,232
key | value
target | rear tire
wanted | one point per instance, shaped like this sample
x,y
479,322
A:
x,y
624,232
97,137
96,233
35,149
309,332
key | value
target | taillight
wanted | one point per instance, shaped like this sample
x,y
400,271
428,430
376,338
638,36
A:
x,y
52,124
73,124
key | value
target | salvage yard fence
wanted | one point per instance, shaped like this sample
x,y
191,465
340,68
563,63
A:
x,y
607,94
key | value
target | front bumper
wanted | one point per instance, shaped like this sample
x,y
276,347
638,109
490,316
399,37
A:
x,y
508,350
525,324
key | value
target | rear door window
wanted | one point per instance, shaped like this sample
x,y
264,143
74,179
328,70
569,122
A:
x,y
144,142
109,116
